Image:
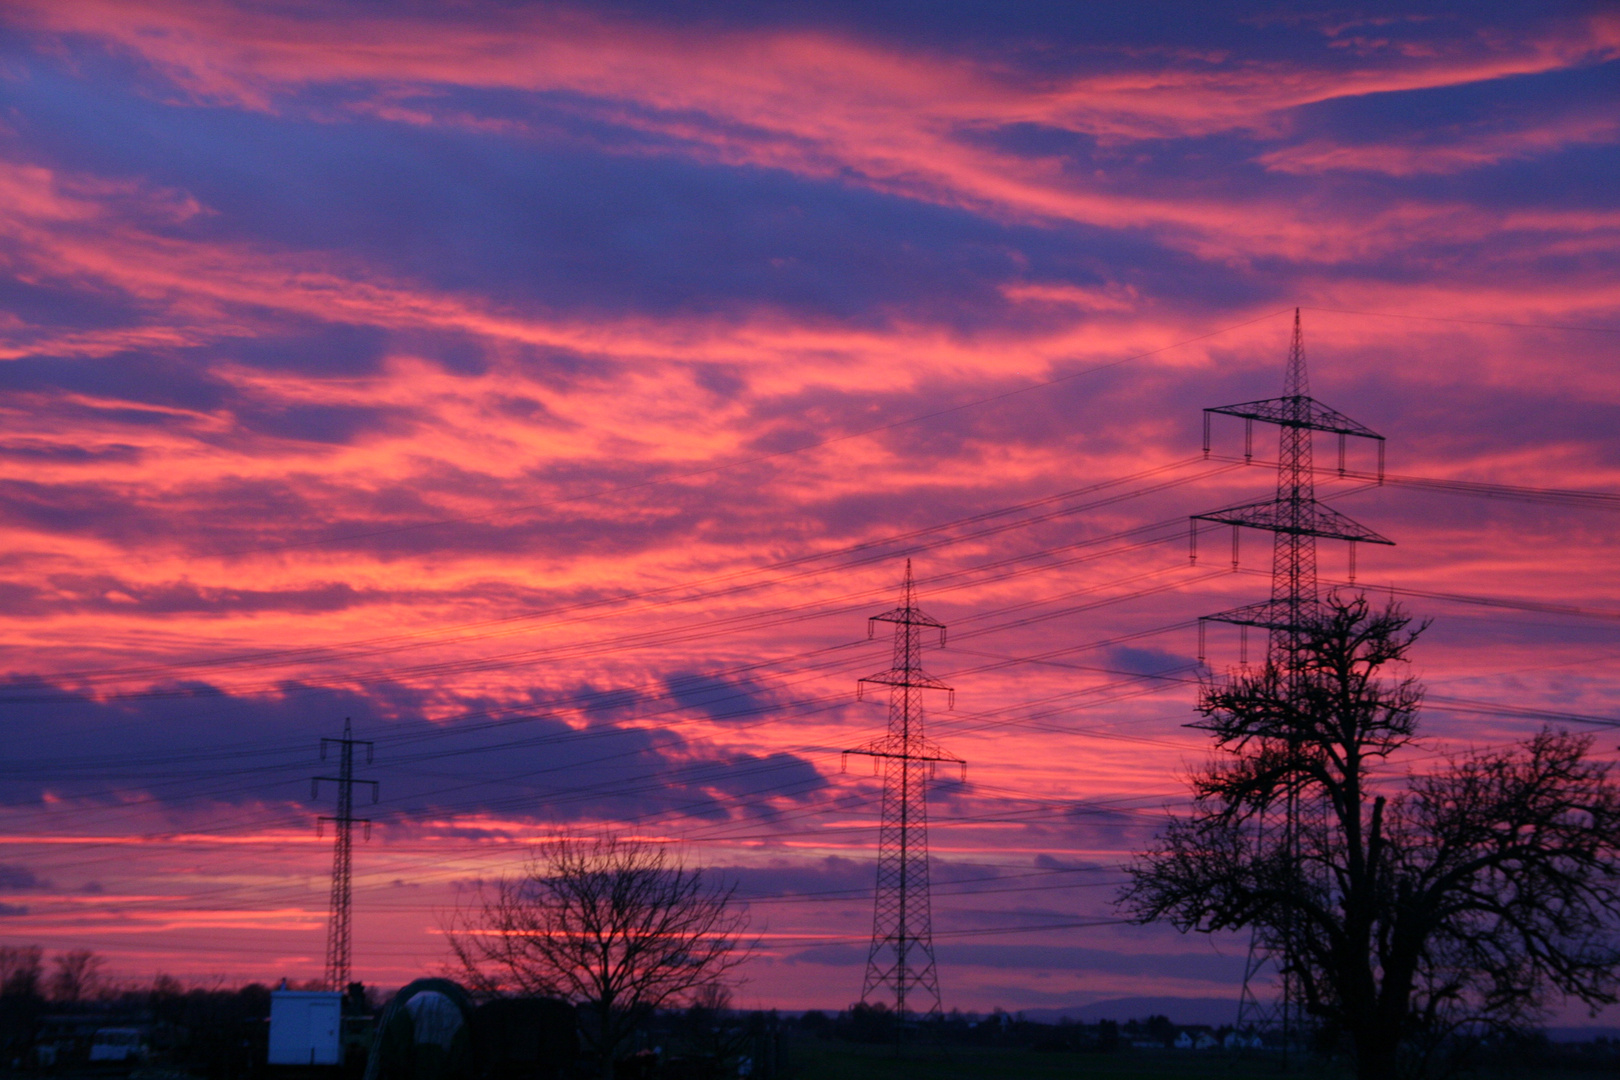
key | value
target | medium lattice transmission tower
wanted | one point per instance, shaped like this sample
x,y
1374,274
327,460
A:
x,y
901,959
1296,520
337,930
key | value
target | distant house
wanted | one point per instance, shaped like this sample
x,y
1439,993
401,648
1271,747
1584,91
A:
x,y
1205,1041
1183,1041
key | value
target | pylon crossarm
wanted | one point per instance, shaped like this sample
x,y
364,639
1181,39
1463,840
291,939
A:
x,y
923,751
328,740
907,616
1267,615
948,759
903,678
1304,412
353,821
376,790
1303,517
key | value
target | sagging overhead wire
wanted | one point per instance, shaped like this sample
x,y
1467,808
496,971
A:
x,y
1581,498
1506,603
779,707
845,558
670,690
592,792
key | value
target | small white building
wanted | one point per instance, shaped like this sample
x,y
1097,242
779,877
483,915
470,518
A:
x,y
306,1027
1184,1041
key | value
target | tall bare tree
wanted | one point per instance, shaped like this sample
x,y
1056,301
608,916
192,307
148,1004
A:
x,y
22,971
1412,910
618,927
77,975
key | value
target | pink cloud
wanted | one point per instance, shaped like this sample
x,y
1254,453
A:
x,y
889,119
470,621
1445,153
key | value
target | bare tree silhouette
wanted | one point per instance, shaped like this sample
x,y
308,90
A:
x,y
22,971
618,927
1454,903
77,975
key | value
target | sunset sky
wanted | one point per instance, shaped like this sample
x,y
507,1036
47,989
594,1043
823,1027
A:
x,y
556,390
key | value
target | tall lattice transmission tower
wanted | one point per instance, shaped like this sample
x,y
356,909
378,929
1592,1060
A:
x,y
901,959
337,930
1296,520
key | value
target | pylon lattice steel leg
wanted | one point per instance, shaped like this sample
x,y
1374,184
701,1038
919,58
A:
x,y
901,958
337,928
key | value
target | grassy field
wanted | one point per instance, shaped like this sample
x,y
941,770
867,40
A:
x,y
815,1059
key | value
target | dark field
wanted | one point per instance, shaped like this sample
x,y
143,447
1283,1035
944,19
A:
x,y
816,1059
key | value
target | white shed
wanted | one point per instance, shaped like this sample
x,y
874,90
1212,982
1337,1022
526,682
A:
x,y
306,1027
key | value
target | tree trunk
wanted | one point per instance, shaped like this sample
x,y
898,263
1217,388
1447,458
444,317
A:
x,y
1375,1053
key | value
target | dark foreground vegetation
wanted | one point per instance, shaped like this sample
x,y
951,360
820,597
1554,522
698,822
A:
x,y
202,1033
216,1034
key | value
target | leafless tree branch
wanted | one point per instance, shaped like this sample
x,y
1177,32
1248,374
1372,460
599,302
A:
x,y
618,927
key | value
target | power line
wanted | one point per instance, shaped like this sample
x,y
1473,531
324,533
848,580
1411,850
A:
x,y
866,552
609,732
1586,498
1468,322
757,459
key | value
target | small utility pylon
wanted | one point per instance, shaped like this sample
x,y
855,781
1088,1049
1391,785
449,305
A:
x,y
1295,519
901,958
337,930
